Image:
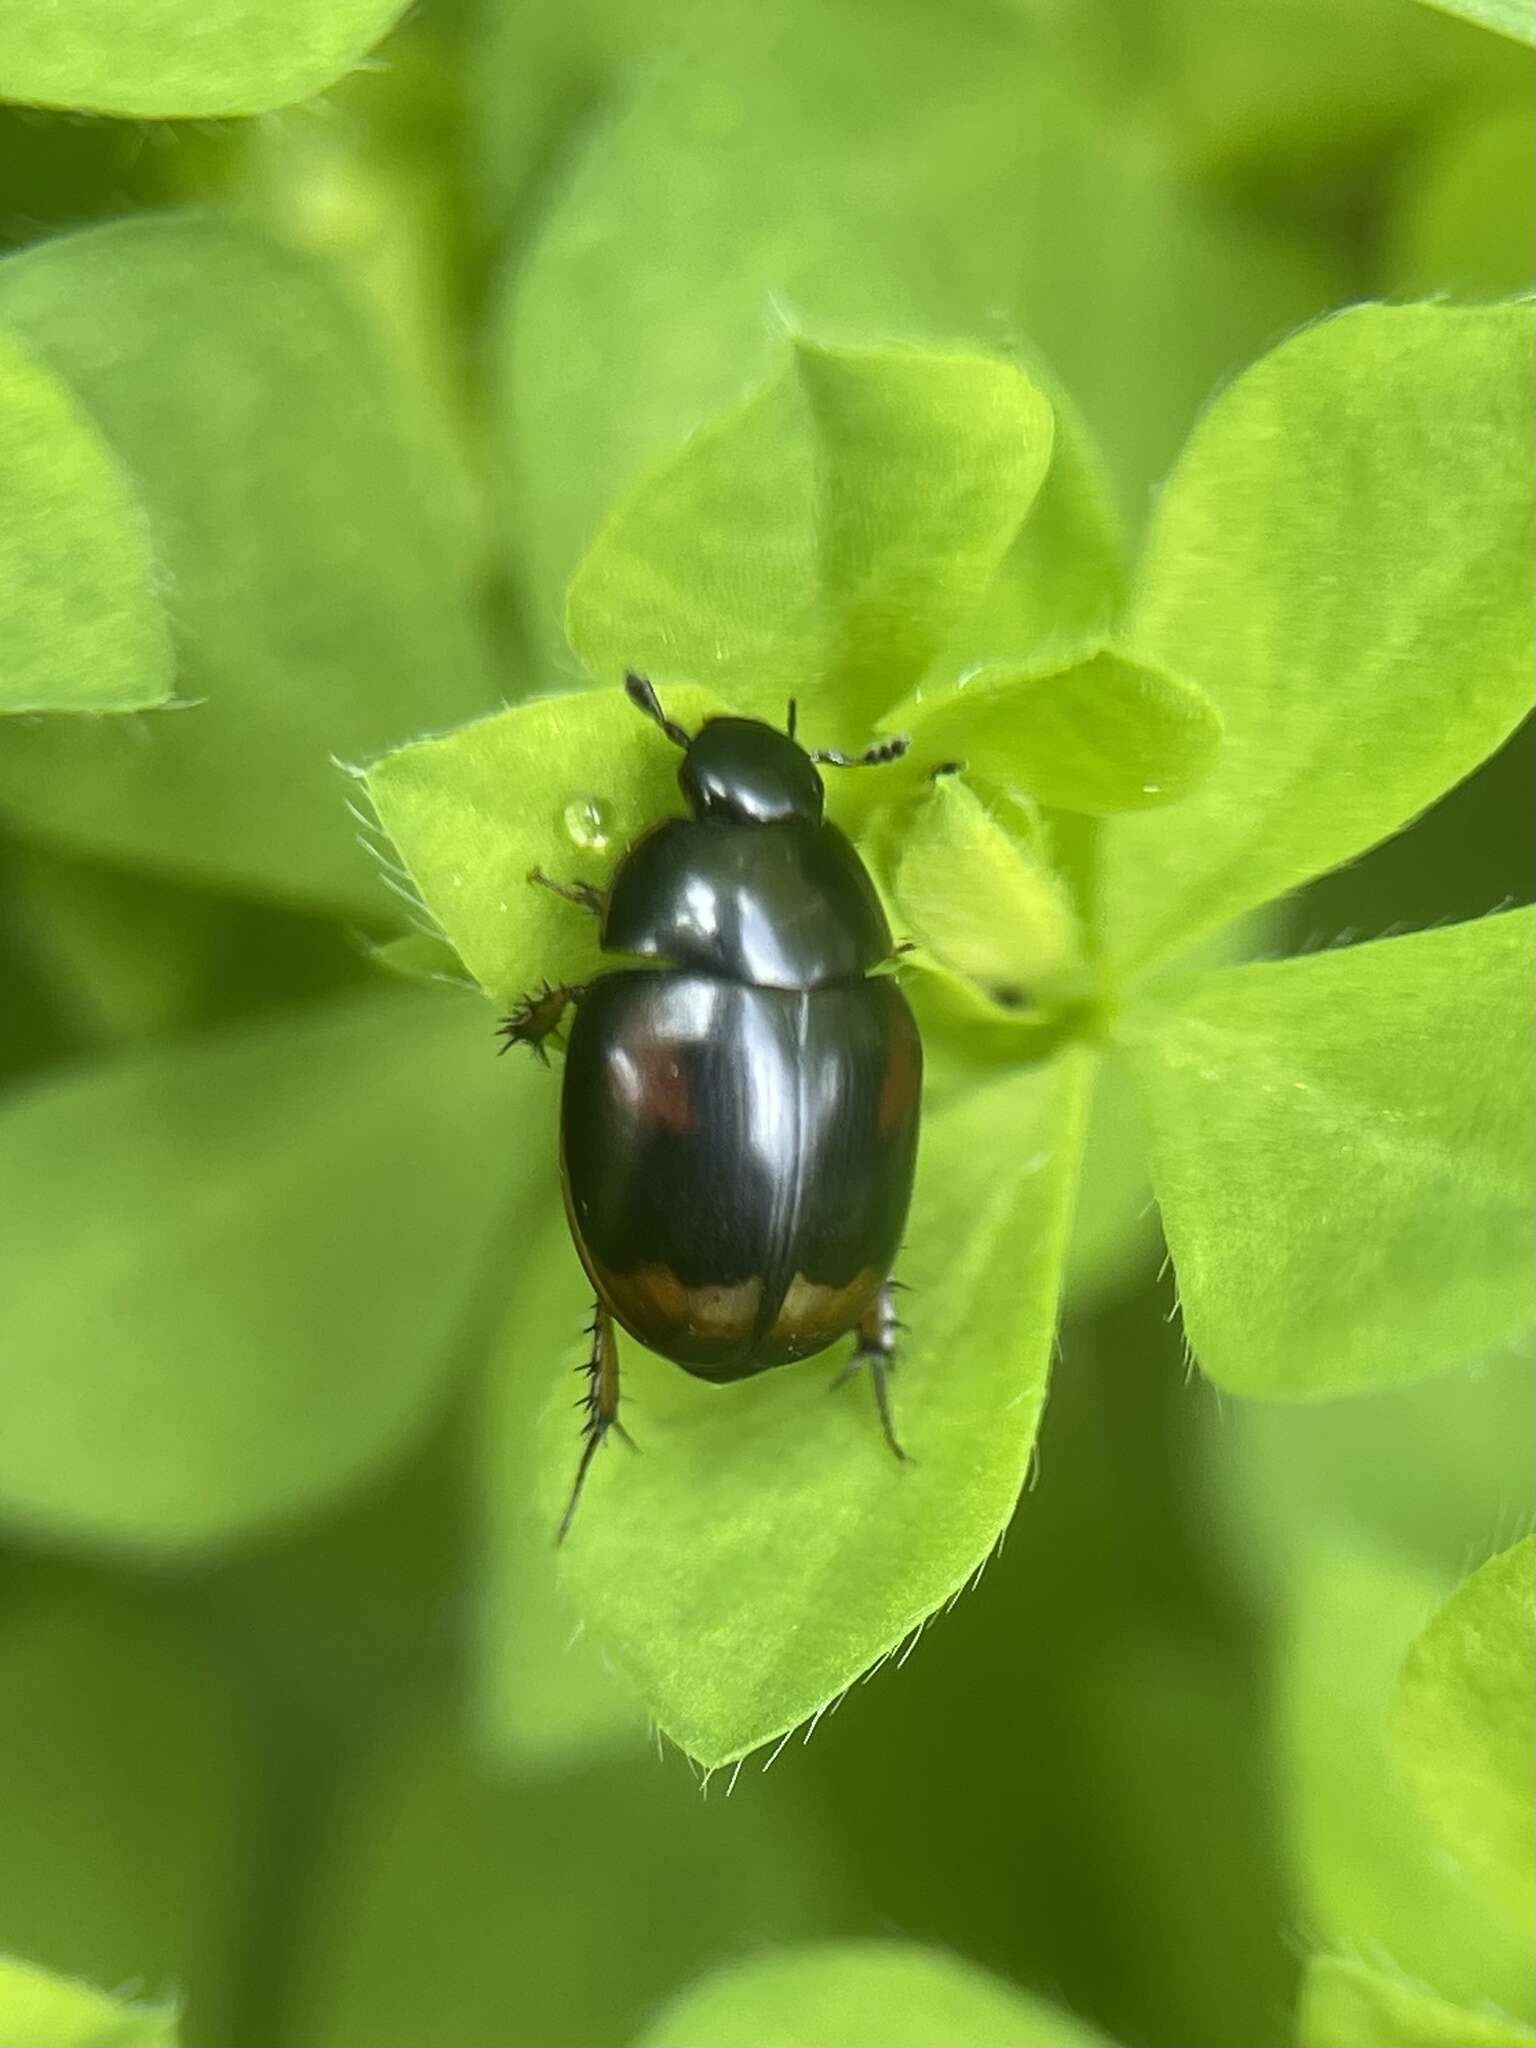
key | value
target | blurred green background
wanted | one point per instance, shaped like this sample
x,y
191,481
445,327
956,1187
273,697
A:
x,y
259,1740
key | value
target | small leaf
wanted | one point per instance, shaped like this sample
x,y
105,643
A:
x,y
454,1903
46,2011
861,1994
1368,1876
80,626
564,784
1341,559
166,58
691,1565
322,604
237,1271
984,902
129,1783
1464,1733
1340,1147
1349,2004
1104,733
1513,18
824,540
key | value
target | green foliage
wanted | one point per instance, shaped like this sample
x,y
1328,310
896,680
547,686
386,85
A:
x,y
127,1780
169,57
860,1995
47,2011
445,1903
1340,559
829,538
1465,1728
1513,18
320,607
319,1382
1350,2004
80,622
1322,1132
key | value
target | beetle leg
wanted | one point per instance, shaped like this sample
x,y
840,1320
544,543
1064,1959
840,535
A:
x,y
873,756
587,894
535,1017
877,1350
601,1401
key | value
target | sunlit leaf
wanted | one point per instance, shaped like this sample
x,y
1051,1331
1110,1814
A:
x,y
126,1776
81,628
781,169
1464,1734
695,1566
236,1270
47,2011
1103,733
321,607
825,540
1341,560
168,57
454,1904
861,1995
1341,1148
1370,1878
564,784
1513,18
1346,2003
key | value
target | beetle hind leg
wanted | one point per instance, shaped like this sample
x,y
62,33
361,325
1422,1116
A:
x,y
876,1351
601,1401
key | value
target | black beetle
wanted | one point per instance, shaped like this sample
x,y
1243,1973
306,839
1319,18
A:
x,y
739,1124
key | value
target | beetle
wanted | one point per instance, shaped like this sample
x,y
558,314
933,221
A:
x,y
739,1123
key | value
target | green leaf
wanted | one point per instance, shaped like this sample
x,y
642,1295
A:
x,y
165,58
321,606
690,1564
1350,2004
1103,733
1340,1147
1465,221
825,540
984,901
80,624
1368,1877
860,1994
128,1780
1340,559
564,784
977,203
1513,18
237,1269
1464,1733
546,1698
451,1904
46,2011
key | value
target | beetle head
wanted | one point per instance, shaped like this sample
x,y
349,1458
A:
x,y
740,771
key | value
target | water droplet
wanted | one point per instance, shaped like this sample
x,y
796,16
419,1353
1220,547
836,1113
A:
x,y
588,822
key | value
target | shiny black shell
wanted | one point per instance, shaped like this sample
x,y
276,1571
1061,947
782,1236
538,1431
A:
x,y
738,1160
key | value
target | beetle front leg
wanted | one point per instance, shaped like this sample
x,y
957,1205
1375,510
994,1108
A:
x,y
537,1017
586,895
876,1349
601,1401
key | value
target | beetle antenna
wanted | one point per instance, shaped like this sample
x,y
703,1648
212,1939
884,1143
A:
x,y
642,694
794,717
872,757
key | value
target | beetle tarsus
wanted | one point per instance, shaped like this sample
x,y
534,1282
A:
x,y
585,894
601,1401
536,1017
876,1350
874,756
